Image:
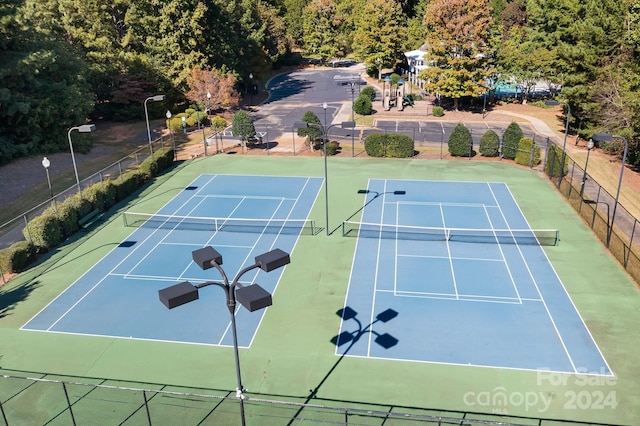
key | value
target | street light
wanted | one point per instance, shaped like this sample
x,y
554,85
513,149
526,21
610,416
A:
x,y
173,141
325,132
251,86
253,297
184,125
46,163
590,146
85,128
603,137
553,102
146,116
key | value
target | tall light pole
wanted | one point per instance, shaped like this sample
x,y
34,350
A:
x,y
353,117
253,297
146,116
553,102
85,128
590,146
46,163
173,141
603,137
325,132
251,86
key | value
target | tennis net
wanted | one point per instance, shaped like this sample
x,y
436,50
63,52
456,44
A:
x,y
212,224
544,237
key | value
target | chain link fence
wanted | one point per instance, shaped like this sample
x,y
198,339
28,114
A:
x,y
115,403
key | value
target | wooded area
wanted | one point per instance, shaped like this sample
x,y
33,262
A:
x,y
64,62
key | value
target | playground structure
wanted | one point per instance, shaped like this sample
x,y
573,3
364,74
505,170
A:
x,y
394,96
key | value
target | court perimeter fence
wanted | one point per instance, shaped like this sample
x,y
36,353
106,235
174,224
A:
x,y
592,202
121,403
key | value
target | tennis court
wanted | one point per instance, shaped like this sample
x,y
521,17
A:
x,y
241,216
403,341
460,267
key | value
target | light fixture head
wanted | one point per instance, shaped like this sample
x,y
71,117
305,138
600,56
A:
x,y
168,114
87,128
208,95
590,144
206,257
157,98
601,137
46,163
178,294
253,297
273,259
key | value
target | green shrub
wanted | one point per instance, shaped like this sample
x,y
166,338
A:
x,y
127,184
490,144
332,148
526,148
389,145
554,158
362,105
101,195
68,216
17,257
438,111
242,126
161,160
43,231
460,141
312,132
369,92
510,140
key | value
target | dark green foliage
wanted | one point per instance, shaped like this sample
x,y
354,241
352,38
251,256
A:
x,y
68,216
438,111
43,231
460,141
162,158
312,132
101,195
553,166
490,144
332,148
510,140
368,91
127,184
242,126
363,105
16,257
389,145
528,153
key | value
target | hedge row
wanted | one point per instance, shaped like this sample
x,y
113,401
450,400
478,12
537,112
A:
x,y
60,221
389,145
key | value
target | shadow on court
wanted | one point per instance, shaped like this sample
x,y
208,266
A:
x,y
385,340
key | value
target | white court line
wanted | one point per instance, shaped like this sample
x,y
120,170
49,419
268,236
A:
x,y
506,264
535,283
453,271
427,256
375,286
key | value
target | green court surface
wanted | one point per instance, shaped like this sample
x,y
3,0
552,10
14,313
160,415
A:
x,y
292,358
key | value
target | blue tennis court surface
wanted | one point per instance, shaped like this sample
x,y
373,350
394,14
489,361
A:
x,y
448,300
118,297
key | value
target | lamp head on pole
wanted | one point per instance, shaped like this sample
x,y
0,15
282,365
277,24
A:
x,y
86,128
168,114
46,163
157,98
590,144
324,105
208,95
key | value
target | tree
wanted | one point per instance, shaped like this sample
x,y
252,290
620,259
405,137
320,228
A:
x,y
489,144
242,126
457,48
377,38
311,132
460,141
221,87
510,140
321,27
